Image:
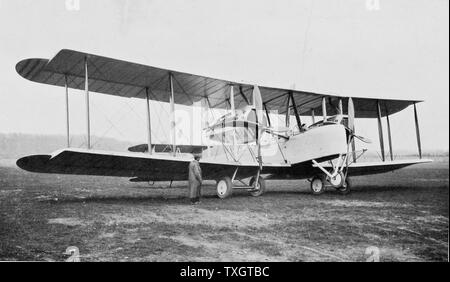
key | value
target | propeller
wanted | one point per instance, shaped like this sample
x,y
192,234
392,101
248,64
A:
x,y
363,139
258,104
351,115
351,125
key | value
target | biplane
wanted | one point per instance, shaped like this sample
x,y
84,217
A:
x,y
253,148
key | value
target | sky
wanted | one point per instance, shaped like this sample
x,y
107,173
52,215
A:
x,y
365,48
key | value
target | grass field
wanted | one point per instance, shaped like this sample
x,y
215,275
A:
x,y
404,214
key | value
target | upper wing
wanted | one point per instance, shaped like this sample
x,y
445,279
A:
x,y
126,79
138,165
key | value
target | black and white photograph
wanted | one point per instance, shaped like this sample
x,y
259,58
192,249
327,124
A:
x,y
208,131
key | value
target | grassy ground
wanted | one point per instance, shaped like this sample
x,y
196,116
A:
x,y
404,214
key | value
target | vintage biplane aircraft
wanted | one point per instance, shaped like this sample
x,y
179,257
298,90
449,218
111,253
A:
x,y
323,152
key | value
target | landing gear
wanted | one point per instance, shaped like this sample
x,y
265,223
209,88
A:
x,y
346,187
259,187
224,187
318,185
338,180
341,183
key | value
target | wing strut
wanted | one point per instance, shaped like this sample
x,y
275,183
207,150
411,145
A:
x,y
380,131
267,114
391,153
67,111
233,112
241,91
172,114
416,119
288,112
86,88
149,123
297,116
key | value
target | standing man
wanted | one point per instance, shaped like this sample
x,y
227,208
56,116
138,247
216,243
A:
x,y
195,179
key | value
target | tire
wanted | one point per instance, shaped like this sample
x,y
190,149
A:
x,y
224,187
262,186
344,190
317,185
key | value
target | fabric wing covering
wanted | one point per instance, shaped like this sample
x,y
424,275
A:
x,y
126,79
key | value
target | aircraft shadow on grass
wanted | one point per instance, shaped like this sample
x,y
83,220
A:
x,y
125,199
183,200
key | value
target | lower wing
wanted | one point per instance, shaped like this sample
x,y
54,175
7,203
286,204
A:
x,y
140,166
367,168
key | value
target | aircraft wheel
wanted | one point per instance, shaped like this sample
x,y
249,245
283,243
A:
x,y
224,187
337,181
345,189
317,185
261,185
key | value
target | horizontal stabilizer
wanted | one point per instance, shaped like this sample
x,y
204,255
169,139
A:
x,y
167,148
